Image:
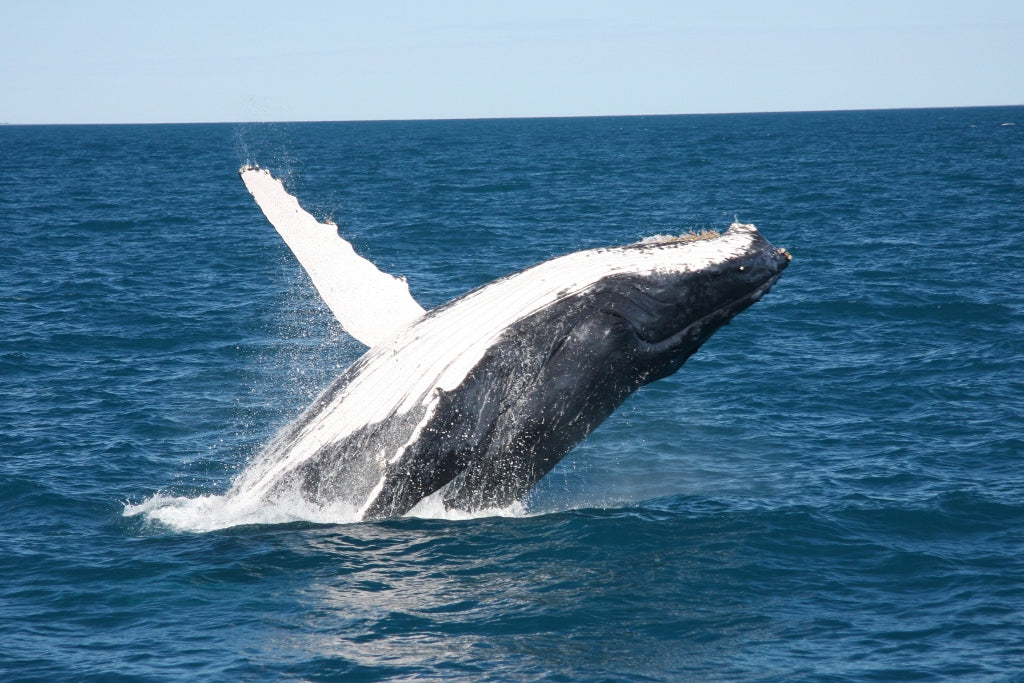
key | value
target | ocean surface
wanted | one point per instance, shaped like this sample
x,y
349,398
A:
x,y
832,489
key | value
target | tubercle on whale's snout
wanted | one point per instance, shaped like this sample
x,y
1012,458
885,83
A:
x,y
782,259
779,257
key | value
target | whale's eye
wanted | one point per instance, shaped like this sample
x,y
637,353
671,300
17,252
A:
x,y
742,268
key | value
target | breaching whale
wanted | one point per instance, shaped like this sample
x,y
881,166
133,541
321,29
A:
x,y
481,397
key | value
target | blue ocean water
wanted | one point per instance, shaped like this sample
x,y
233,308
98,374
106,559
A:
x,y
832,489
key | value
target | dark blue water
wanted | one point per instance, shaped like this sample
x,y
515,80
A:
x,y
832,489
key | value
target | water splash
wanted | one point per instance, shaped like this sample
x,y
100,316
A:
x,y
214,512
207,513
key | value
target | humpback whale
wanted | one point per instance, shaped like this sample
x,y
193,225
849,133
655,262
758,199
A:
x,y
478,399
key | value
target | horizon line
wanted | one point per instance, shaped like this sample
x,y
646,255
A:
x,y
512,118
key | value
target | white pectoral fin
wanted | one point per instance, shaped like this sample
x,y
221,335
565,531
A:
x,y
369,303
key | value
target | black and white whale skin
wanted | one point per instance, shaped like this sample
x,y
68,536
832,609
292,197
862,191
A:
x,y
484,395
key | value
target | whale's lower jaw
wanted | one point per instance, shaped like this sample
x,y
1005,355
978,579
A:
x,y
482,397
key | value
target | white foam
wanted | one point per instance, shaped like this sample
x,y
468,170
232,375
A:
x,y
203,514
213,512
432,507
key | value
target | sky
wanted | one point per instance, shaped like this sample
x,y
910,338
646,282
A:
x,y
108,61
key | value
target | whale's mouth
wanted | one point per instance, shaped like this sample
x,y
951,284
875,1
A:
x,y
687,340
734,307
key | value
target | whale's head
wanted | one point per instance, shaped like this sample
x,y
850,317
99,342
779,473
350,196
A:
x,y
682,289
631,315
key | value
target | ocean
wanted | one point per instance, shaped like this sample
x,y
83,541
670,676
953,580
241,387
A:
x,y
832,489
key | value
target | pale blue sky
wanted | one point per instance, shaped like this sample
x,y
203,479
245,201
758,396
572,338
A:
x,y
174,61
